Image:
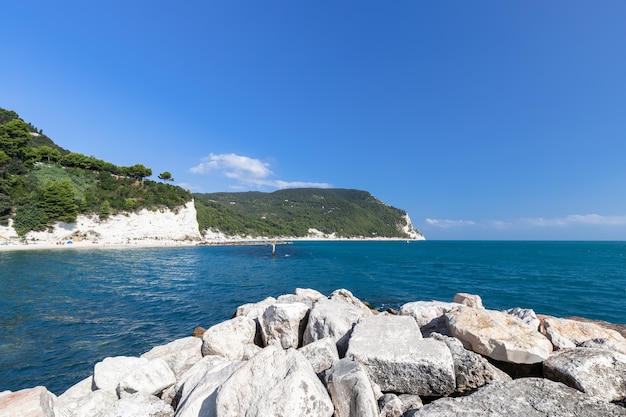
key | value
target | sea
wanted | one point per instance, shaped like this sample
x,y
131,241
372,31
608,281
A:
x,y
63,310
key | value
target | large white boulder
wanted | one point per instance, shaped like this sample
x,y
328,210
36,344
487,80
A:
x,y
229,338
275,382
149,378
108,373
92,404
597,372
199,389
334,319
283,324
428,315
398,359
139,405
497,335
179,355
346,296
31,402
351,390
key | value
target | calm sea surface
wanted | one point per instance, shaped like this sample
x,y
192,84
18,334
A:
x,y
61,311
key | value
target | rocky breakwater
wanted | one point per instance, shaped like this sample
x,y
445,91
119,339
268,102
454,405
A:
x,y
307,354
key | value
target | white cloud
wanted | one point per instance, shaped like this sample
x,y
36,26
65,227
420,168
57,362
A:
x,y
446,223
535,222
247,172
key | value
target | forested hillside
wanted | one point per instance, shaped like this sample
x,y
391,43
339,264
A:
x,y
291,212
42,183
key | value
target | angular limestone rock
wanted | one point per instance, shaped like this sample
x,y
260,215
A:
x,y
322,354
92,404
108,373
283,324
229,338
396,357
292,298
596,372
31,402
139,405
199,390
564,333
346,296
310,293
391,405
524,397
470,300
526,315
191,378
334,319
429,315
275,382
149,378
497,335
179,355
255,312
350,390
606,344
77,391
471,369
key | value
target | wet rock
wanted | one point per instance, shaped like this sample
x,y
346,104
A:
x,y
283,324
229,338
350,390
334,319
398,359
322,354
31,402
497,335
596,372
275,382
525,397
179,355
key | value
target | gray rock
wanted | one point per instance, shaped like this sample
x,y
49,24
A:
x,y
497,335
350,390
139,405
89,405
322,354
471,369
524,397
470,300
108,373
391,405
275,382
179,355
334,319
229,338
283,324
429,315
346,296
31,402
597,372
396,357
150,378
606,344
410,402
526,315
199,390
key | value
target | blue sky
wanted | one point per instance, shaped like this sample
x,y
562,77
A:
x,y
482,119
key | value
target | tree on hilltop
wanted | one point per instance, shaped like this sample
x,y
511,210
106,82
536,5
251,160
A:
x,y
166,176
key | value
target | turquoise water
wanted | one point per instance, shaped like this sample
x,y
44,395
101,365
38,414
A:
x,y
61,311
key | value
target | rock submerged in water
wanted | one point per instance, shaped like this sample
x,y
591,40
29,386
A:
x,y
306,354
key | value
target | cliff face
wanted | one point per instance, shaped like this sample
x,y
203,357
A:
x,y
178,224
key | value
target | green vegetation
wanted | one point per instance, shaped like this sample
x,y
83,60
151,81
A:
x,y
42,183
291,212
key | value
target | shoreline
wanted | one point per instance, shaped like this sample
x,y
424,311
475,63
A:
x,y
143,243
